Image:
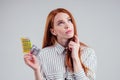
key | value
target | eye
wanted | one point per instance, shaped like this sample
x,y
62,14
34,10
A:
x,y
70,20
61,22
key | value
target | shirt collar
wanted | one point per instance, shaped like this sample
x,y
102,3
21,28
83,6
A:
x,y
59,48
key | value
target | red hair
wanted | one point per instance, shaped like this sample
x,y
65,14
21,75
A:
x,y
50,39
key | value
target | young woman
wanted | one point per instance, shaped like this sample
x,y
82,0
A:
x,y
63,56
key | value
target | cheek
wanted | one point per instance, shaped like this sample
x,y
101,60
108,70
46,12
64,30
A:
x,y
59,31
72,28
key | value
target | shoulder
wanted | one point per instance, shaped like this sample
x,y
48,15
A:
x,y
47,49
87,53
86,50
89,58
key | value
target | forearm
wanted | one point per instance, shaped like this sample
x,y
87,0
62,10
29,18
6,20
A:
x,y
38,75
79,73
77,65
89,59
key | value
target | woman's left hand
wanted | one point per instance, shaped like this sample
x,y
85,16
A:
x,y
74,47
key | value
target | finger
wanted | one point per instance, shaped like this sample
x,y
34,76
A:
x,y
28,57
34,58
76,39
70,47
71,43
28,62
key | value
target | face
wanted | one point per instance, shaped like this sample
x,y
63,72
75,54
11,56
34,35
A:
x,y
63,27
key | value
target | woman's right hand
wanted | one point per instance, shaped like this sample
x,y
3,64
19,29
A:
x,y
32,61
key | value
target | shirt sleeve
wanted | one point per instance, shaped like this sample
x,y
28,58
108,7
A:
x,y
41,69
89,60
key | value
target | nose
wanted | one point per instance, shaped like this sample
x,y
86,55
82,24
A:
x,y
67,25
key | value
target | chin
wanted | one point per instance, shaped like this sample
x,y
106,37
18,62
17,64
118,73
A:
x,y
70,36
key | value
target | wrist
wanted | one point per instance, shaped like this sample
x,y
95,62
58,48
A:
x,y
37,70
77,64
76,60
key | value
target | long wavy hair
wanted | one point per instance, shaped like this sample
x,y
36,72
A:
x,y
49,39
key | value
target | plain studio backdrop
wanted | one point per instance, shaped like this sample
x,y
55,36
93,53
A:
x,y
98,25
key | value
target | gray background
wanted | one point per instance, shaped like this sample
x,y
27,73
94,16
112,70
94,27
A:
x,y
98,23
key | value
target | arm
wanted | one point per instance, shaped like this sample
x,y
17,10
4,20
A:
x,y
88,61
32,62
88,58
37,75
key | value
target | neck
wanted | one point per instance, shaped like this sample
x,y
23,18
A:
x,y
63,42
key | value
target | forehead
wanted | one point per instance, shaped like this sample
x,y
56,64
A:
x,y
60,16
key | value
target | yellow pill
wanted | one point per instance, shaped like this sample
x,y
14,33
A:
x,y
26,45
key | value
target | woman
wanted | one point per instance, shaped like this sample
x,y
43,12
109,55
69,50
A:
x,y
63,56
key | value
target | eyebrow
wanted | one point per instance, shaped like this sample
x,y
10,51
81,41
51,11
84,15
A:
x,y
62,20
59,21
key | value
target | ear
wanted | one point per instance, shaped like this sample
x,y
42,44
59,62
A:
x,y
53,31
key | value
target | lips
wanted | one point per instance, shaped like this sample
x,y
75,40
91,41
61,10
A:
x,y
68,31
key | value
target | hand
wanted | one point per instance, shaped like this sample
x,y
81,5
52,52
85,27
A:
x,y
31,61
74,47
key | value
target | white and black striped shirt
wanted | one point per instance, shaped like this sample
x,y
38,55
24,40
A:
x,y
52,63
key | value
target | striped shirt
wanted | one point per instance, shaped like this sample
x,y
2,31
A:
x,y
52,64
